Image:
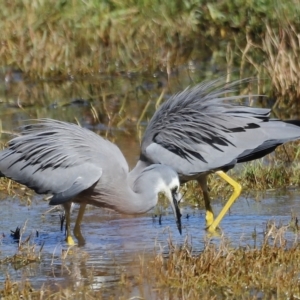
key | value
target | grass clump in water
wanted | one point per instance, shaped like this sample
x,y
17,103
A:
x,y
27,252
266,272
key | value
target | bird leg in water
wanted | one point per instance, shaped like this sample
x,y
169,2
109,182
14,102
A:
x,y
236,192
67,207
209,217
77,231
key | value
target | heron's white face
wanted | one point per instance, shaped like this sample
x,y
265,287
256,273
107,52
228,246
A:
x,y
174,185
170,189
174,188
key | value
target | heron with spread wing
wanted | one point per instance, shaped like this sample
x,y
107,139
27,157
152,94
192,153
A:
x,y
74,164
202,130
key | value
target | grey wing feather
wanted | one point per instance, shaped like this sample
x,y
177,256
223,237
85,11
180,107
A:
x,y
79,185
58,158
202,129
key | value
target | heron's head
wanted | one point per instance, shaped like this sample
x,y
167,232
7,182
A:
x,y
161,179
169,185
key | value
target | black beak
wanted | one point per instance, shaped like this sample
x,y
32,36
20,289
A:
x,y
177,212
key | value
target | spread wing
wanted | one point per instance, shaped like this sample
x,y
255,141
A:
x,y
203,129
58,158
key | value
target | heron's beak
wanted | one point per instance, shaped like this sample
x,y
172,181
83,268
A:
x,y
176,198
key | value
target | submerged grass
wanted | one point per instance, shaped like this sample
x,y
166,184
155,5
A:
x,y
27,254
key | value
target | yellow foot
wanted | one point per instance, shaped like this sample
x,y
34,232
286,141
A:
x,y
70,241
212,227
209,218
213,231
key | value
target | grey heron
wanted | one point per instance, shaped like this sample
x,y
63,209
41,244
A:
x,y
76,165
202,130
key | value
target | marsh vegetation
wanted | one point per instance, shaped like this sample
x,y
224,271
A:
x,y
107,65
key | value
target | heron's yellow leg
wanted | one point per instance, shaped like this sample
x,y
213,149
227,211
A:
x,y
77,231
69,238
209,217
236,192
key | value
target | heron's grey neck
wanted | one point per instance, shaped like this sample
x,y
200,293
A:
x,y
138,197
136,171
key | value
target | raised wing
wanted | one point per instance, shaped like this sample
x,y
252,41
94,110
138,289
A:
x,y
58,158
203,129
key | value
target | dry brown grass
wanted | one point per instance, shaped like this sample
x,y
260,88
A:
x,y
267,272
275,55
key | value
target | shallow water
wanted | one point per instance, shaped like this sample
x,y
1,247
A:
x,y
116,244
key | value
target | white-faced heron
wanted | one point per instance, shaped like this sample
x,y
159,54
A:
x,y
76,165
202,130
